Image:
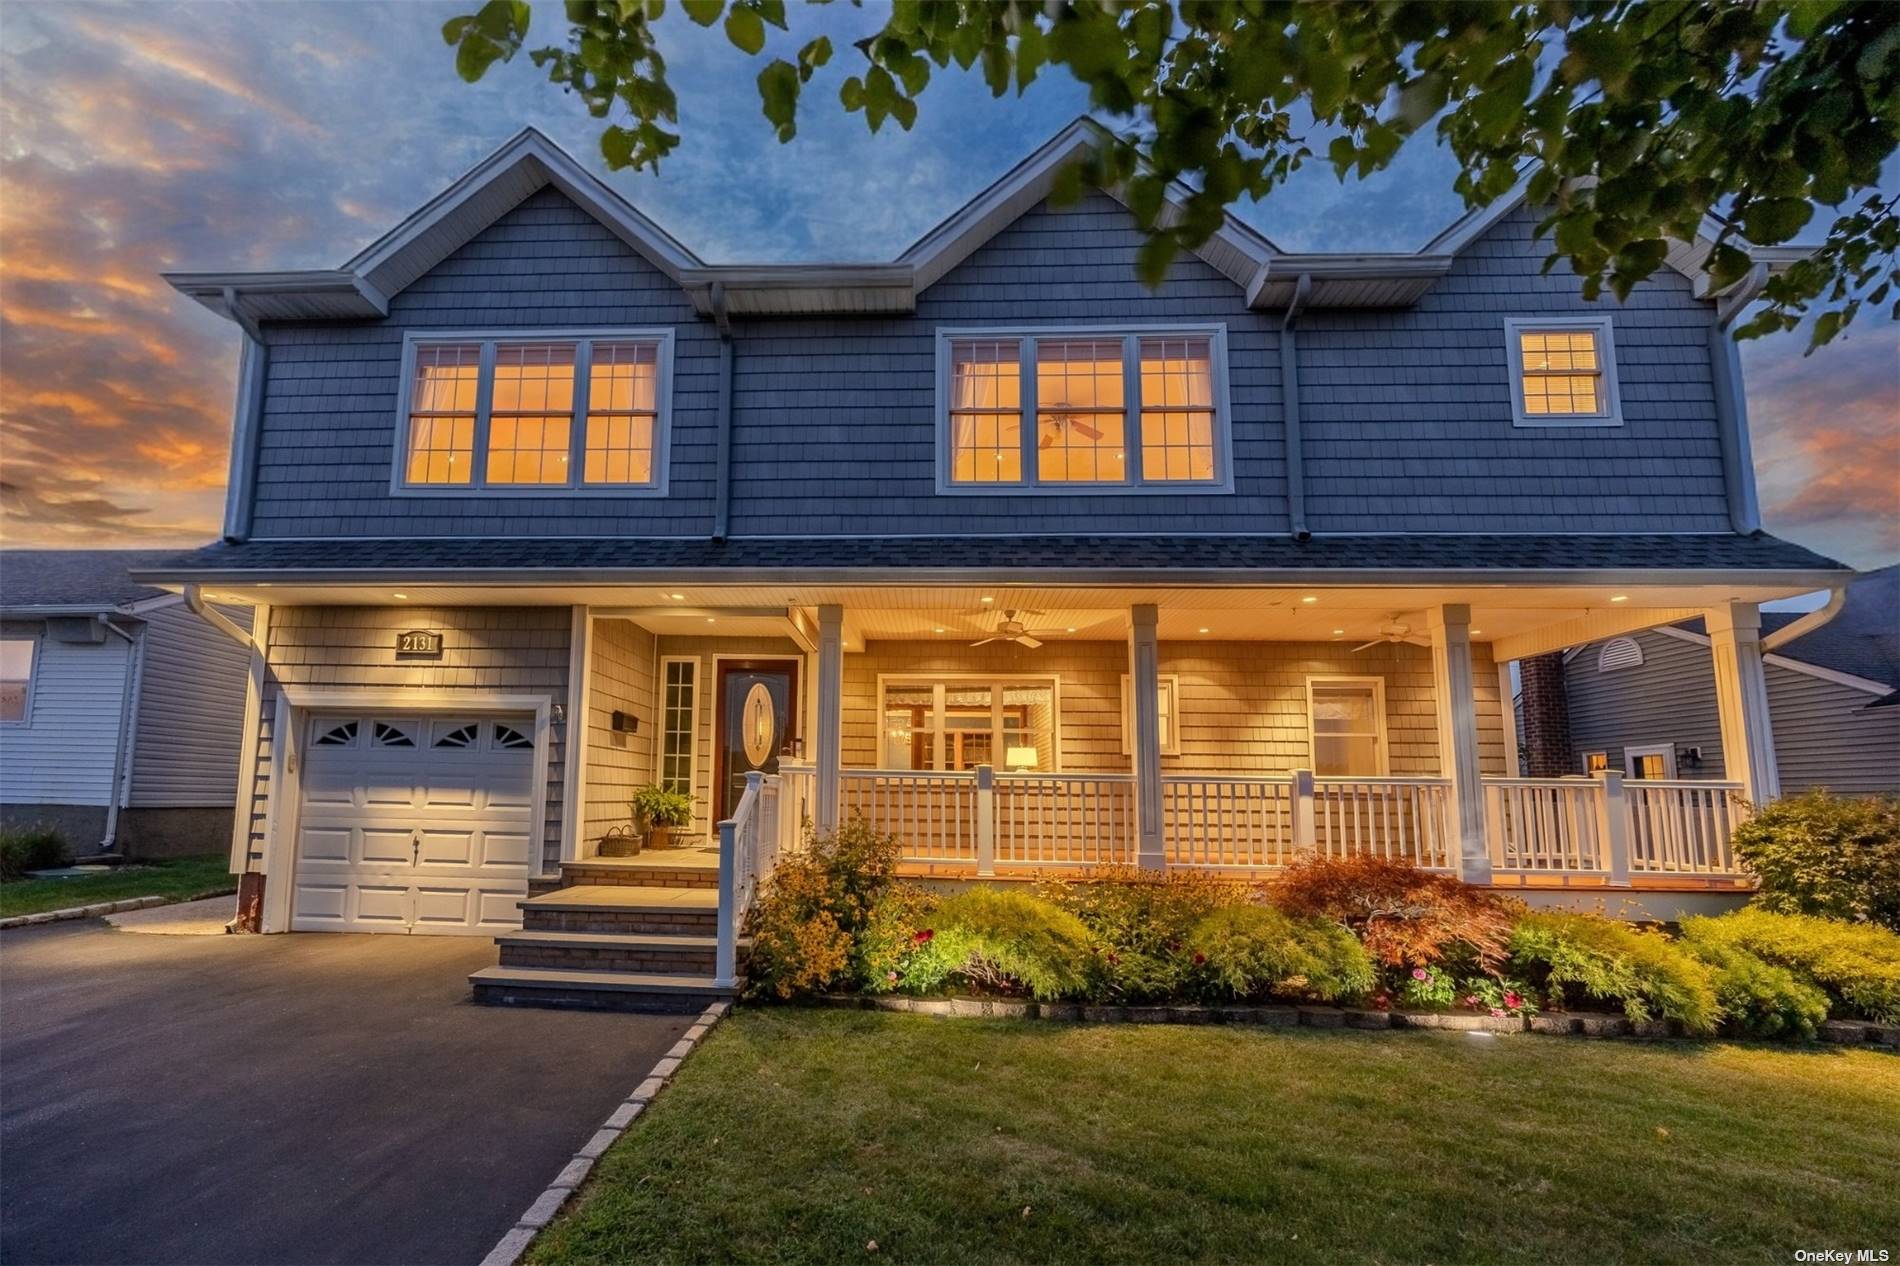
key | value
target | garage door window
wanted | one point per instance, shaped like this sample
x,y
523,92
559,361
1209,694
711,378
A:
x,y
337,735
388,735
449,734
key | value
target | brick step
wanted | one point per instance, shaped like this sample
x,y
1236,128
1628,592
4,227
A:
x,y
671,955
619,909
653,871
594,990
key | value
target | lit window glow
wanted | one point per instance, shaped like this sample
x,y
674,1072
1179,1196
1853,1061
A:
x,y
1177,409
1080,415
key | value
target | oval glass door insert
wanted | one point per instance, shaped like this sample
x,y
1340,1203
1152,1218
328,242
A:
x,y
760,723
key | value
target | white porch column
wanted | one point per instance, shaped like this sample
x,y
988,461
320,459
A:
x,y
1741,698
828,741
1458,736
1144,687
580,659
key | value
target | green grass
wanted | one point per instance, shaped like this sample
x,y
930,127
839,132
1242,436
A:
x,y
800,1135
180,879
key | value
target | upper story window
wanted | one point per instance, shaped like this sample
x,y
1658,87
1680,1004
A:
x,y
1563,372
536,413
1087,410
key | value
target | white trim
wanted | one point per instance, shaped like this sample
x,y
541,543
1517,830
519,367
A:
x,y
583,340
1507,720
1381,739
245,805
1621,657
938,680
692,733
1130,334
1171,690
580,691
36,641
296,702
1666,750
1598,326
1834,675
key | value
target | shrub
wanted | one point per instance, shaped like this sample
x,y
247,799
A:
x,y
1759,998
896,947
31,848
1611,962
1139,922
1836,857
1404,916
1442,987
1249,951
1856,964
813,907
1007,938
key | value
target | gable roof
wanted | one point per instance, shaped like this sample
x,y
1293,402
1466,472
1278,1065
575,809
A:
x,y
1270,277
1863,638
76,580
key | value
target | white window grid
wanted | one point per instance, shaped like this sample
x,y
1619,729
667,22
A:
x,y
1562,371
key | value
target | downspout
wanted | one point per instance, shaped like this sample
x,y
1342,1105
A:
x,y
1731,404
122,744
1290,404
195,599
722,486
1836,599
246,422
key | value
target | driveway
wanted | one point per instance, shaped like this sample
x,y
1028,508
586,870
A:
x,y
284,1099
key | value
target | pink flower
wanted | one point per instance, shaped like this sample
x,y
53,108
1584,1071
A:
x,y
1419,973
891,976
1498,1012
1471,1000
923,937
1512,1001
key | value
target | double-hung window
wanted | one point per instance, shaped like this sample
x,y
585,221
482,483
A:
x,y
535,413
1563,372
16,679
1084,410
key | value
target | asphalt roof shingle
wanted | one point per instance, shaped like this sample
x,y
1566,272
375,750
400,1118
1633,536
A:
x,y
76,577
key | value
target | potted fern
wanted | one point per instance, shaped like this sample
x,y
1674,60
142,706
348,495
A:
x,y
657,810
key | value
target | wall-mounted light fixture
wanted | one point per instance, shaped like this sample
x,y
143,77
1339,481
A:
x,y
625,723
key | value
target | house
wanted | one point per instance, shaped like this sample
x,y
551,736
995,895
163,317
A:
x,y
1644,702
120,709
992,545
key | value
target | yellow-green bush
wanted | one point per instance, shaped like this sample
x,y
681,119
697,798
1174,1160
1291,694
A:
x,y
1856,964
1837,857
1608,961
1007,938
1139,922
1253,951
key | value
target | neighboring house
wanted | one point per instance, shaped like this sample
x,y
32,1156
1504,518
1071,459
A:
x,y
993,545
1645,702
120,710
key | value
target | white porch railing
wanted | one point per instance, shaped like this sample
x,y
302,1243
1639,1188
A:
x,y
1592,830
748,848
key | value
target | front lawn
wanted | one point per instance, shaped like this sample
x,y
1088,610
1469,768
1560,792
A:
x,y
798,1135
180,879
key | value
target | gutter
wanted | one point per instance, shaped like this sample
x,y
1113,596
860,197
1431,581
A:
x,y
122,743
195,599
722,460
1836,599
247,416
1290,404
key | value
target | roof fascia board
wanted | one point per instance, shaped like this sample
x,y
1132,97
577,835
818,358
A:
x,y
1802,666
208,288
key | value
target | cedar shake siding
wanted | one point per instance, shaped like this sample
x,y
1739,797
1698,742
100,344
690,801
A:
x,y
1407,412
620,679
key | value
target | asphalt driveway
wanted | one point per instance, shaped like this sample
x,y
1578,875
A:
x,y
311,1098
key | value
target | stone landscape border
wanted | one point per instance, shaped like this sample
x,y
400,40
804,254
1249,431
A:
x,y
512,1245
103,908
1567,1023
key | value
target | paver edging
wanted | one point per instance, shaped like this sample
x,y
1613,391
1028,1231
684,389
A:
x,y
537,1215
1561,1023
100,909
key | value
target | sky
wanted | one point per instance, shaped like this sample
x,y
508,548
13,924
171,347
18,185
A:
x,y
158,136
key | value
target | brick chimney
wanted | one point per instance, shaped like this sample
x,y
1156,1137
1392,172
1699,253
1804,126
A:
x,y
1545,707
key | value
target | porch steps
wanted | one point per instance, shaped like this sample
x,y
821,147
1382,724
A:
x,y
594,990
620,946
651,871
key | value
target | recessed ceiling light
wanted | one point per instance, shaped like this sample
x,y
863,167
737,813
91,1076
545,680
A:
x,y
1309,599
1475,632
403,596
1071,630
939,630
1619,597
677,597
710,620
1206,630
987,598
1339,632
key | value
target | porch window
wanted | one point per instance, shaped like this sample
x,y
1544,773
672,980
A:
x,y
1006,722
1169,703
536,413
1563,372
1651,762
1346,725
1084,410
1596,762
679,709
16,679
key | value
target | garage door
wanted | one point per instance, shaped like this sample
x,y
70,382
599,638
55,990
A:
x,y
414,824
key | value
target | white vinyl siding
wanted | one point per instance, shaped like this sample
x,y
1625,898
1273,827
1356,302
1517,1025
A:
x,y
191,712
64,753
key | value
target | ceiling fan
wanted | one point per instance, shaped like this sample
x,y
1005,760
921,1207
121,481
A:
x,y
1393,630
1012,629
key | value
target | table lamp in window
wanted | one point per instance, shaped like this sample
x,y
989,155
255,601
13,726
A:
x,y
1019,759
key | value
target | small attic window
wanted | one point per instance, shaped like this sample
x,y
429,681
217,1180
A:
x,y
1563,372
1623,652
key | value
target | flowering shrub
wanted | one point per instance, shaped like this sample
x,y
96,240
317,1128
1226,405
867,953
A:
x,y
1428,987
1404,916
1836,857
1251,951
894,948
1856,964
806,922
1138,923
1607,961
1438,987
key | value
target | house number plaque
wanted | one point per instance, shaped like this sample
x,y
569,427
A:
x,y
419,644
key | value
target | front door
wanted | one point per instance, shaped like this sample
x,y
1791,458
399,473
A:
x,y
758,720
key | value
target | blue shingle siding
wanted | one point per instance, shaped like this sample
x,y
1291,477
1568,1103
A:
x,y
1407,414
328,442
835,425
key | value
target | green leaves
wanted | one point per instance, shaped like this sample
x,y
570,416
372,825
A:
x,y
1633,121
